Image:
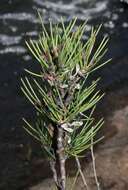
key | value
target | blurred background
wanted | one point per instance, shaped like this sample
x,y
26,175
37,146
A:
x,y
21,163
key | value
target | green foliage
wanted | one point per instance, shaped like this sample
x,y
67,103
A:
x,y
61,93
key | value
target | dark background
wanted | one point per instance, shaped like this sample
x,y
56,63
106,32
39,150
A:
x,y
20,164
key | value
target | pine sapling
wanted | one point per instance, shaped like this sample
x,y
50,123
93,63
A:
x,y
62,95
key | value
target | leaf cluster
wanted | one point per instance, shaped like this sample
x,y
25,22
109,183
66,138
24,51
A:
x,y
60,93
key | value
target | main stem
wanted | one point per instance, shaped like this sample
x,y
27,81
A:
x,y
61,157
58,166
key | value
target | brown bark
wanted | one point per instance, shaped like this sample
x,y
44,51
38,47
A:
x,y
58,166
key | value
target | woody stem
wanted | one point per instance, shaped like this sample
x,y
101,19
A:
x,y
58,166
61,157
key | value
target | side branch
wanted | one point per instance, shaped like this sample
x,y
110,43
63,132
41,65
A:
x,y
81,173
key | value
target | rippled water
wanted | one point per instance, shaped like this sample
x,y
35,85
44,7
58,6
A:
x,y
18,19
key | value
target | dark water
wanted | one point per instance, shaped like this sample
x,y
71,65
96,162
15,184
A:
x,y
18,22
18,19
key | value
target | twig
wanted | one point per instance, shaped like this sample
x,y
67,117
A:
x,y
74,182
93,163
53,168
81,173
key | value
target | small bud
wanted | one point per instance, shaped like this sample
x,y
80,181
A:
x,y
66,127
69,140
55,52
77,86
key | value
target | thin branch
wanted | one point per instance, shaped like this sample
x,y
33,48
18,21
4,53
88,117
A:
x,y
93,162
81,173
53,168
74,182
